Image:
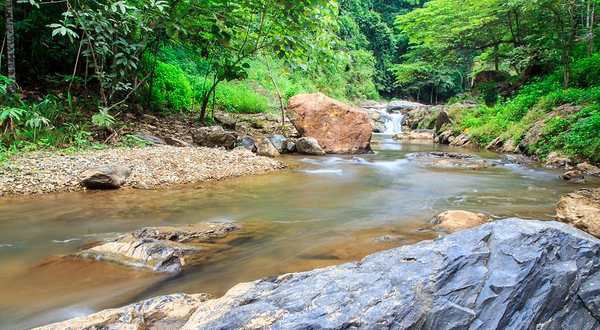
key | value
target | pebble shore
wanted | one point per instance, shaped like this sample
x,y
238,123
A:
x,y
152,167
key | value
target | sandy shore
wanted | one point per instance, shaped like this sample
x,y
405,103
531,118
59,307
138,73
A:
x,y
152,167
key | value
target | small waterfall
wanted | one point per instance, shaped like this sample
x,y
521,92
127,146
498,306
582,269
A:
x,y
393,123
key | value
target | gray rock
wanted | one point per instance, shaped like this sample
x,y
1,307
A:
x,y
511,274
291,147
248,143
149,138
451,160
266,148
214,136
146,253
279,142
173,141
110,176
226,121
589,169
309,146
442,121
403,106
163,312
556,160
517,159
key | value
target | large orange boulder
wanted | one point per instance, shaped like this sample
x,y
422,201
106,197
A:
x,y
338,128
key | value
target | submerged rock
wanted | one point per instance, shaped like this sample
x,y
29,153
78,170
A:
x,y
338,128
309,146
451,160
164,312
110,176
453,221
573,176
198,232
517,159
581,209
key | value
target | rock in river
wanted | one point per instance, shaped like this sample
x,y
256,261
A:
x,y
581,209
110,176
160,249
574,176
453,221
510,274
339,128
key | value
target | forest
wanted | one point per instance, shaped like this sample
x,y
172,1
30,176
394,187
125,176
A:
x,y
68,68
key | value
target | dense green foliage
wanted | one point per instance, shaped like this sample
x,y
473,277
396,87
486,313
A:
x,y
575,134
79,63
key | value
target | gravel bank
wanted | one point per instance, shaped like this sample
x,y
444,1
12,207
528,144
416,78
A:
x,y
152,167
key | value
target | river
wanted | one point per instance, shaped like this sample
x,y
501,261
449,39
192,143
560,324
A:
x,y
321,211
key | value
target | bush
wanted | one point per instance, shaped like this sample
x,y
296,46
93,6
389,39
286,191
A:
x,y
171,90
238,97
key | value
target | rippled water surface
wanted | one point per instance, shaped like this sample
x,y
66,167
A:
x,y
322,211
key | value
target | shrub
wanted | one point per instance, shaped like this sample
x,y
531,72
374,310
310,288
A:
x,y
171,90
238,97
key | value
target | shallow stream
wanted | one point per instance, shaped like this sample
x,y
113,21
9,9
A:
x,y
322,211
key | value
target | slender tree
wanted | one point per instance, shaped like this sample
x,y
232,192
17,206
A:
x,y
10,47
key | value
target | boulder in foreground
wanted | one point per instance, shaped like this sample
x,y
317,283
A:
x,y
339,128
510,274
110,176
581,209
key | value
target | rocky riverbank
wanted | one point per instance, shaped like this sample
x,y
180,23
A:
x,y
512,273
151,167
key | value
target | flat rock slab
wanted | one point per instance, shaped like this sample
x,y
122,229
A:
x,y
150,254
162,249
509,274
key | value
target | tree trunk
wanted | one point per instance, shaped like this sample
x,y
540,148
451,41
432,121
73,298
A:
x,y
496,58
277,90
206,99
10,47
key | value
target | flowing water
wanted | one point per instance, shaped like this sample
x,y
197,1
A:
x,y
393,122
322,211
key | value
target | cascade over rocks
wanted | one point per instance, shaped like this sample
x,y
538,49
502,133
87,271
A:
x,y
509,274
110,176
581,209
338,128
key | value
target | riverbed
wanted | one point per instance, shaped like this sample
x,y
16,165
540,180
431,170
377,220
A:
x,y
321,211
